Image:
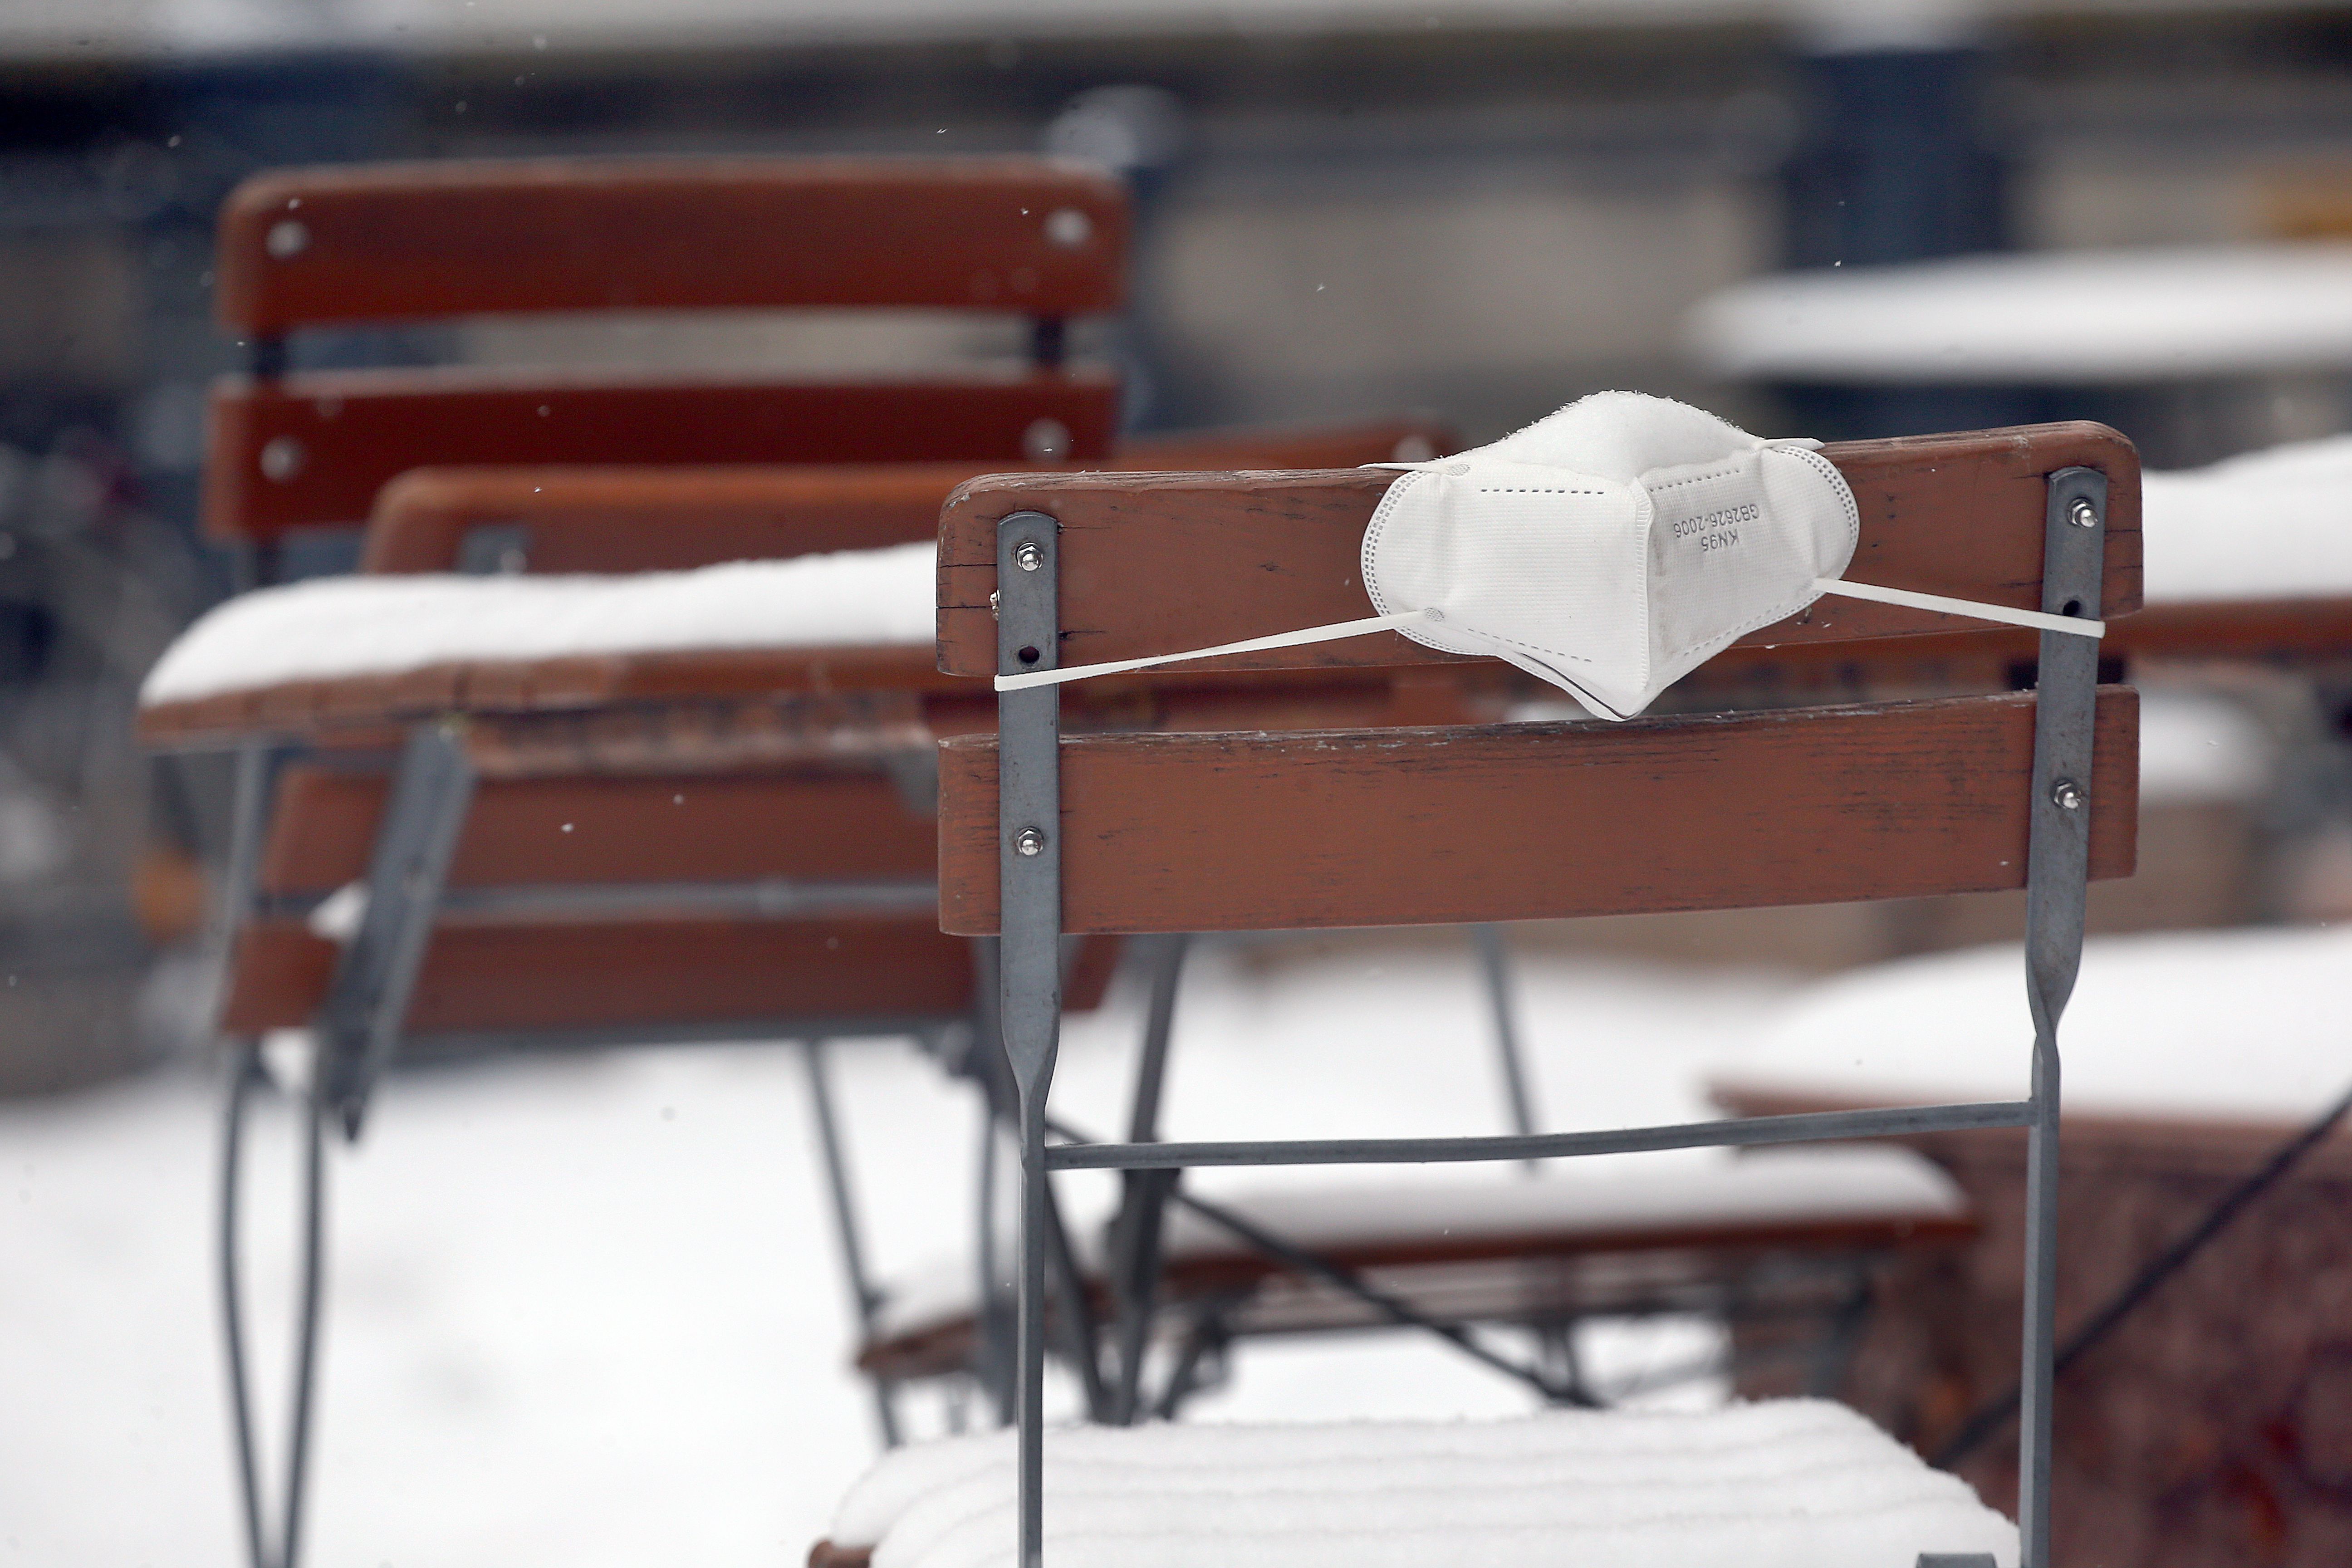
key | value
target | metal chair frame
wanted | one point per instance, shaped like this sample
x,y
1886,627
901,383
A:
x,y
1029,868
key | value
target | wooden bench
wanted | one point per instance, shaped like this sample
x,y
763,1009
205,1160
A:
x,y
1045,835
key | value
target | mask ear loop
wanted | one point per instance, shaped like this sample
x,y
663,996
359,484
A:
x,y
1332,633
2072,624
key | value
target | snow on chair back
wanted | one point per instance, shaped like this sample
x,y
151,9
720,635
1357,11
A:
x,y
408,243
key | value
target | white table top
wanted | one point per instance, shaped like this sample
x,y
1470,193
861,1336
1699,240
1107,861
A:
x,y
2068,318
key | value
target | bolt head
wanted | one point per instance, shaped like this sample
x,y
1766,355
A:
x,y
1028,555
2068,796
1029,841
2082,513
1069,228
288,238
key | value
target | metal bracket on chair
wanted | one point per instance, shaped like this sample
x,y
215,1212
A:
x,y
2057,885
368,1002
1029,795
1029,977
1956,1559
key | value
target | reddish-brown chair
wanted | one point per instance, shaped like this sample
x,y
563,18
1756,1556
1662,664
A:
x,y
1045,835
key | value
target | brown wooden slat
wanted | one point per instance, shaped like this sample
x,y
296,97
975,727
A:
x,y
355,430
2293,631
1153,565
625,694
625,974
1232,832
407,241
652,972
668,518
728,829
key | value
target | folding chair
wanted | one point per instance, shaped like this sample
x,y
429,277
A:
x,y
1042,837
753,846
294,450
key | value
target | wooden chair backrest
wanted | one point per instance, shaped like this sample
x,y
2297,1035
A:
x,y
404,243
1154,562
616,519
1247,831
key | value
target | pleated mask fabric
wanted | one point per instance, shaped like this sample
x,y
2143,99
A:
x,y
1612,548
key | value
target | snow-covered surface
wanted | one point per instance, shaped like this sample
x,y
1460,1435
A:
x,y
586,1309
1566,1198
1795,1185
2200,746
2272,525
2063,316
1791,1482
2242,1024
2269,525
329,627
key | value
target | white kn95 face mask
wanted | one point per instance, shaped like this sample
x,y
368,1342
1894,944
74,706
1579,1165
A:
x,y
1610,549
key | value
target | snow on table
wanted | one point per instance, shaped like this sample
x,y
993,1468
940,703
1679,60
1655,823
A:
x,y
2068,318
1568,1200
1782,1484
327,628
2204,1025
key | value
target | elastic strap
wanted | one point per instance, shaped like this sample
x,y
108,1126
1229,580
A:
x,y
1903,596
1969,607
1370,624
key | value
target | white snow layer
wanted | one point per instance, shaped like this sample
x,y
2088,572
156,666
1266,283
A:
x,y
1789,1482
329,627
1566,1198
586,1309
2227,1026
2274,524
1776,1185
2064,318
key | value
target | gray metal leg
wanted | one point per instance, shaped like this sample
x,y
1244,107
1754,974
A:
x,y
1029,859
864,1299
2057,873
248,818
245,1075
369,999
1136,1232
1495,967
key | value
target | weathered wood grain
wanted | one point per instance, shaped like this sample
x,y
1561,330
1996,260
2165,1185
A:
x,y
1226,832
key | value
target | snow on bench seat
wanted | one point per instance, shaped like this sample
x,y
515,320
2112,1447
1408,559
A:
x,y
332,629
2273,524
1781,1484
1772,1197
1780,1187
2207,1026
